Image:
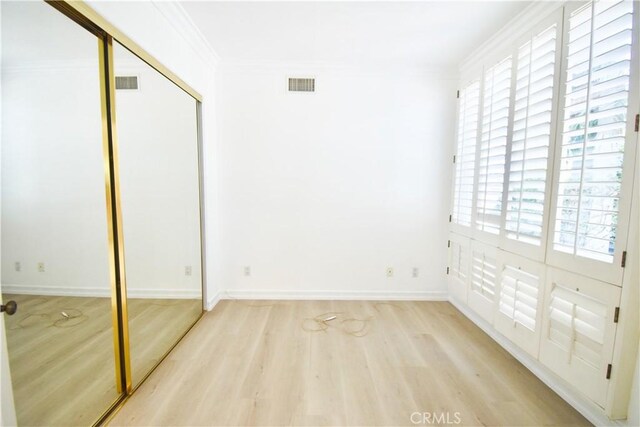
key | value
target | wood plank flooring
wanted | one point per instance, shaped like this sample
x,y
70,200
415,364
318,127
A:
x,y
63,370
260,363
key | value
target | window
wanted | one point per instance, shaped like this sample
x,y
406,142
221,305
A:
x,y
531,135
493,147
593,130
466,154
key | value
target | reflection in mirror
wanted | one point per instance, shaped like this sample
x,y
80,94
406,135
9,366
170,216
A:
x,y
159,188
55,250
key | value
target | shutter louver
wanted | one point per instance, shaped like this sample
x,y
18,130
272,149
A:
x,y
519,296
459,256
577,323
594,127
579,331
531,134
466,154
459,260
483,283
493,146
483,275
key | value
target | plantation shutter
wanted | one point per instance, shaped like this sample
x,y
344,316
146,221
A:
x,y
466,154
519,311
459,257
531,136
484,279
519,296
580,330
493,146
594,130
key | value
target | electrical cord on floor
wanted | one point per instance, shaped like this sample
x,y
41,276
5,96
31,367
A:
x,y
68,318
353,326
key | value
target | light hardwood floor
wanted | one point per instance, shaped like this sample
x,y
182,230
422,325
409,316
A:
x,y
257,363
63,370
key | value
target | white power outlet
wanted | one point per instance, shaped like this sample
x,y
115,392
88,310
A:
x,y
18,266
416,272
41,267
247,271
187,270
389,271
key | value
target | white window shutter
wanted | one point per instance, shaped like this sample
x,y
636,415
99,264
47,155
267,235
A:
x,y
468,109
459,261
483,283
493,147
531,138
520,299
592,138
579,330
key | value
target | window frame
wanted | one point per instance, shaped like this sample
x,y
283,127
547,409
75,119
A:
x,y
453,226
481,235
537,253
607,272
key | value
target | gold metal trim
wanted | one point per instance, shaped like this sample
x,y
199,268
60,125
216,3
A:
x,y
116,407
82,14
118,235
104,107
84,10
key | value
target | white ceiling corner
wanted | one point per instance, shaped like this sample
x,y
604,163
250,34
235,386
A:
x,y
437,34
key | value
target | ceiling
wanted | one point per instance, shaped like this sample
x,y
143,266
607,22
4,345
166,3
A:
x,y
436,33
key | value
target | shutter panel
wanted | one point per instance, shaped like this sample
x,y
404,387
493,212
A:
x,y
466,154
493,147
579,331
594,130
531,135
484,280
520,301
459,257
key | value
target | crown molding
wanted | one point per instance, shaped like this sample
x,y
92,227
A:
x,y
180,20
513,30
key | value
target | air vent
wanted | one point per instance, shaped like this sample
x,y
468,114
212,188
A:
x,y
302,85
126,82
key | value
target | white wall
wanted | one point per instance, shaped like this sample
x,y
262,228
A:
x,y
321,192
158,165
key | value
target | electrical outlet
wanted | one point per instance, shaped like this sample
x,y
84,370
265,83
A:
x,y
247,271
187,270
18,266
416,272
41,267
389,271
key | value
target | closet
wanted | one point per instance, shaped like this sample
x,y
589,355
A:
x,y
101,214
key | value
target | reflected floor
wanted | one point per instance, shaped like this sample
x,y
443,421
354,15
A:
x,y
62,365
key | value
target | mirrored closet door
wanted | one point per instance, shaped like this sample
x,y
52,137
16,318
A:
x,y
101,220
55,242
158,163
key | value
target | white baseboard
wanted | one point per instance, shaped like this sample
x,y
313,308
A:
x,y
212,302
337,295
588,409
100,292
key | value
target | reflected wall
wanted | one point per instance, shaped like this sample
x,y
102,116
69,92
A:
x,y
159,187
